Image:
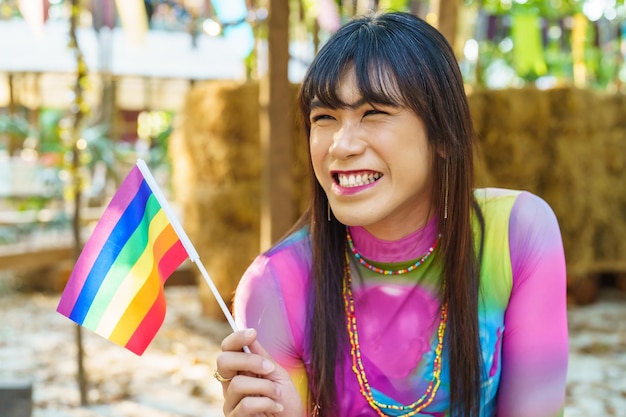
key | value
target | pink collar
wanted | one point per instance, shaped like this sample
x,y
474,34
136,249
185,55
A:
x,y
409,247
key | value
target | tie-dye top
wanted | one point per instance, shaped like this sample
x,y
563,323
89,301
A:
x,y
522,313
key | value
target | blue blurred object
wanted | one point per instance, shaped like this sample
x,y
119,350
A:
x,y
232,15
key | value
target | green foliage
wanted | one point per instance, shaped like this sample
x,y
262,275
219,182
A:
x,y
49,138
399,5
15,125
100,147
547,8
554,53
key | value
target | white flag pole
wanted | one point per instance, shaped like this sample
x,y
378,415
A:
x,y
156,190
191,250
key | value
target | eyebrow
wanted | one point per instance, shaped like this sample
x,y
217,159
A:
x,y
317,104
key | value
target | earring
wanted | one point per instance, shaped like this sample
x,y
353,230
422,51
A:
x,y
445,201
328,211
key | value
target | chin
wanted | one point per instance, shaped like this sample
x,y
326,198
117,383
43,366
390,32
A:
x,y
352,220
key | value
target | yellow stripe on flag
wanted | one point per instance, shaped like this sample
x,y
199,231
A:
x,y
136,279
136,312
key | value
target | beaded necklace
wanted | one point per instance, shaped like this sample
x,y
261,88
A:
x,y
381,271
355,351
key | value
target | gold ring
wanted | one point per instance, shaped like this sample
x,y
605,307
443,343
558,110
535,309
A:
x,y
220,378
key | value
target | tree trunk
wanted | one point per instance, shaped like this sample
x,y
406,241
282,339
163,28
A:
x,y
275,129
78,108
447,12
415,8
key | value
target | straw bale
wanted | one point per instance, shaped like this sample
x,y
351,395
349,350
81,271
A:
x,y
226,234
221,126
478,109
515,110
478,105
564,191
217,170
482,174
509,133
566,145
569,188
563,104
609,242
596,159
515,158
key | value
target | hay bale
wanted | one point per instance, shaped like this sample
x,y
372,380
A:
x,y
567,146
569,187
216,177
609,243
509,133
215,170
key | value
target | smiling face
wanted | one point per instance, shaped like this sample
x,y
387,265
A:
x,y
373,161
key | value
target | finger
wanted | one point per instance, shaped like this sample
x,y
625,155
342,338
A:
x,y
242,387
231,363
254,406
236,341
258,405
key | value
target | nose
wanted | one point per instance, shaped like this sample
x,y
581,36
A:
x,y
347,142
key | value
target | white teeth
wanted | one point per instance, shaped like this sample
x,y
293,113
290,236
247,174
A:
x,y
348,181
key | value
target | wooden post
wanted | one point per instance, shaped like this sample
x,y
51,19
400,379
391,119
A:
x,y
275,129
447,12
348,8
78,113
416,8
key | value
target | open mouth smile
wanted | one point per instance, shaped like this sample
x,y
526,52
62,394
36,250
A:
x,y
356,179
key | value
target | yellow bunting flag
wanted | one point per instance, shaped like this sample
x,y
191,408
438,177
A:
x,y
134,19
33,13
528,46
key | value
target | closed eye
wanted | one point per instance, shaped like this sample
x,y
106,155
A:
x,y
373,112
320,117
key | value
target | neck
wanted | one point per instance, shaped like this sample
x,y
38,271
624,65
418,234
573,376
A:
x,y
411,246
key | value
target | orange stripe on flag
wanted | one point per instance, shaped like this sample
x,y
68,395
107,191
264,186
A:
x,y
136,311
154,319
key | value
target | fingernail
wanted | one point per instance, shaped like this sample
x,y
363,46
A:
x,y
279,407
268,366
249,332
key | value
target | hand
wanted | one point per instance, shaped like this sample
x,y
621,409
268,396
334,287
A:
x,y
255,384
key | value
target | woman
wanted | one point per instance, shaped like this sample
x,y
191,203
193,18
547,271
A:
x,y
402,290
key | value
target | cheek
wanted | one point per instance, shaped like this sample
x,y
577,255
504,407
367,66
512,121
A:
x,y
318,151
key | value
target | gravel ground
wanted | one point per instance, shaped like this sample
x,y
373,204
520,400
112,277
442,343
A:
x,y
174,377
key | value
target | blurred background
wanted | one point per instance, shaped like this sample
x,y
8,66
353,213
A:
x,y
204,91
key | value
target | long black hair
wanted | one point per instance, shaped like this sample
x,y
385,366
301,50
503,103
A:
x,y
399,58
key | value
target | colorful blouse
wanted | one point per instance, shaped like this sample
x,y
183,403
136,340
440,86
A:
x,y
522,313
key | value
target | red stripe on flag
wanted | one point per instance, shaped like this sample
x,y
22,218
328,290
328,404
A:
x,y
151,323
148,327
171,260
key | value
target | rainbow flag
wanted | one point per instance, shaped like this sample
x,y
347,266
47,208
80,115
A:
x,y
116,286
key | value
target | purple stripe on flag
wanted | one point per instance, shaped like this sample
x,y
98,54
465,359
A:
x,y
135,216
94,245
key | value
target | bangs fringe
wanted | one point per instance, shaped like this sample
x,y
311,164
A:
x,y
372,63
